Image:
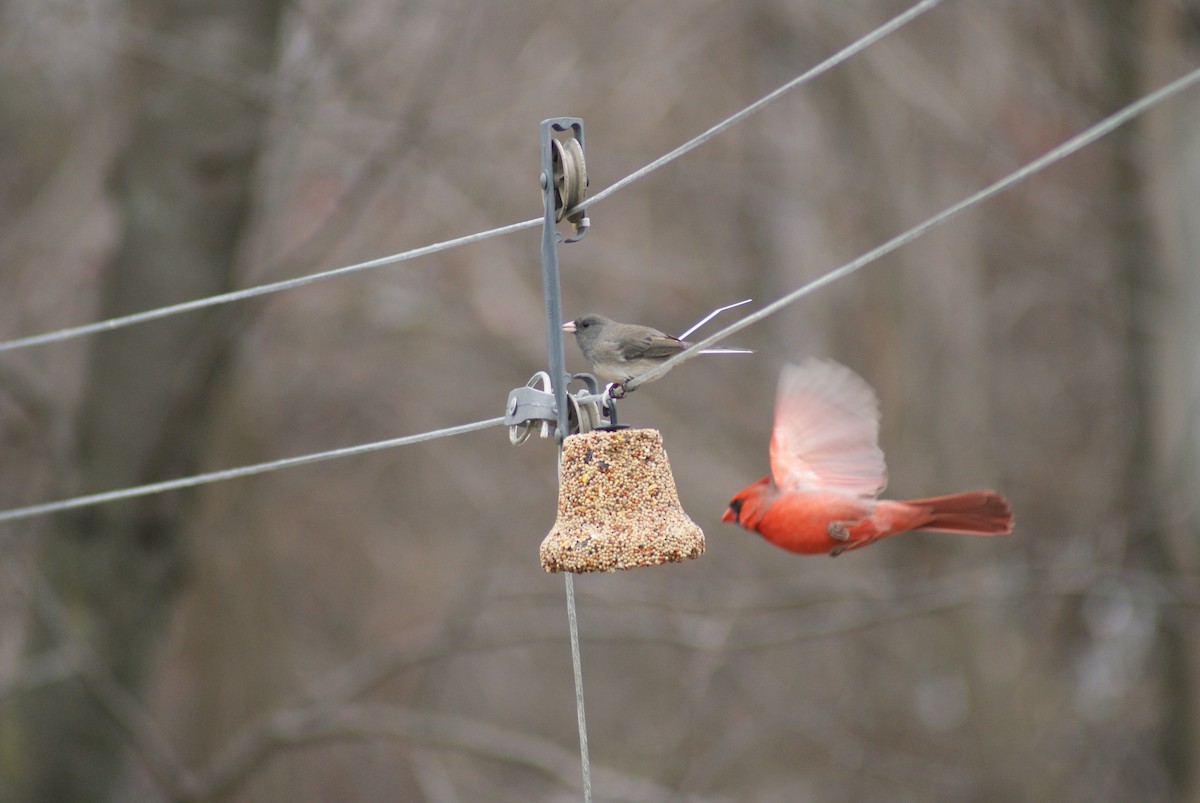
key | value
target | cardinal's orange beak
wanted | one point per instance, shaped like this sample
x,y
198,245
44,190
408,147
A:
x,y
730,517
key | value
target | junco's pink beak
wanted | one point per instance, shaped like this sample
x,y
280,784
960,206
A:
x,y
569,327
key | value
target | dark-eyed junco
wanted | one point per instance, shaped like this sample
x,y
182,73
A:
x,y
617,352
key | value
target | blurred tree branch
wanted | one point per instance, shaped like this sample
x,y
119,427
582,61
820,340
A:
x,y
332,710
1139,267
1002,350
183,181
288,728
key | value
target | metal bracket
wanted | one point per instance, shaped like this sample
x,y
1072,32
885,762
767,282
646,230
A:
x,y
564,183
531,407
605,411
564,188
564,173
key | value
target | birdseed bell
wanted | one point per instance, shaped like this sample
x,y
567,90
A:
x,y
617,506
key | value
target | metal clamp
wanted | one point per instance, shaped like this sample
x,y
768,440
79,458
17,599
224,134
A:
x,y
566,174
543,402
604,411
532,407
528,406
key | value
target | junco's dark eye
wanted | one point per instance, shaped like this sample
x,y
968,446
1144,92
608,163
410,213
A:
x,y
583,324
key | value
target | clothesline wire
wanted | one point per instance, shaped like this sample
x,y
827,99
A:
x,y
241,471
1052,156
1062,151
146,316
825,66
149,315
259,290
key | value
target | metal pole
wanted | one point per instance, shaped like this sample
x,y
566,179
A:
x,y
550,280
558,373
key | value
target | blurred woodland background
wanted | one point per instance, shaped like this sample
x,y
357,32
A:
x,y
379,628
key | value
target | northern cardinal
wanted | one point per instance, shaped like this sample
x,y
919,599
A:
x,y
617,352
827,470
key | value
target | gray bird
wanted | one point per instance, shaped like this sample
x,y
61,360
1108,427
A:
x,y
617,352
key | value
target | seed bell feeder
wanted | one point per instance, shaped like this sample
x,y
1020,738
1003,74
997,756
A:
x,y
617,503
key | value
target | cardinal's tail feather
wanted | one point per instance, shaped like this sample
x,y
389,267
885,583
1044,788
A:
x,y
973,513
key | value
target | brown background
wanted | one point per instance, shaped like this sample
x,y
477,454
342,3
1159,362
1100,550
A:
x,y
378,628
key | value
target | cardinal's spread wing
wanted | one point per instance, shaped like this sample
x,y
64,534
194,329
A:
x,y
826,434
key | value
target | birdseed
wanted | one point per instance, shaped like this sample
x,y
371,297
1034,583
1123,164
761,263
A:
x,y
617,506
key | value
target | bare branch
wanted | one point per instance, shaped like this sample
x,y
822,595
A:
x,y
295,727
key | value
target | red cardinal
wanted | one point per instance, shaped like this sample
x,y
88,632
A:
x,y
827,470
